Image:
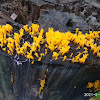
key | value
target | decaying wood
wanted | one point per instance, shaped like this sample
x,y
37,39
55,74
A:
x,y
9,20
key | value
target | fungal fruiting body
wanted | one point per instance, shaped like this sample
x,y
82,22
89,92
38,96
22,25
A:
x,y
95,86
42,83
57,42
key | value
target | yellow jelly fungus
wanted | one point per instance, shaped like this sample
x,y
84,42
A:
x,y
77,29
91,34
3,31
51,47
98,54
11,78
78,48
64,50
76,58
95,50
94,86
9,52
45,51
35,28
8,28
54,40
36,54
46,45
42,54
55,55
74,86
25,27
29,55
29,30
85,50
33,48
39,59
82,60
4,49
20,51
42,83
90,84
21,31
71,55
64,58
73,60
47,69
32,61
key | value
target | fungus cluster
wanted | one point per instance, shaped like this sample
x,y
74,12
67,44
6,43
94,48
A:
x,y
11,42
57,42
60,42
94,86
